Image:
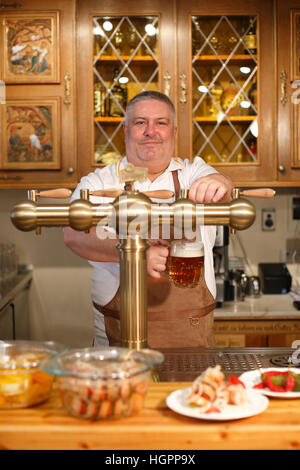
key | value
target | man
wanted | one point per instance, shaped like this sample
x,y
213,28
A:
x,y
150,132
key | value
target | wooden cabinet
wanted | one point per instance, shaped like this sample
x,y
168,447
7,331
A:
x,y
225,133
38,110
288,91
256,332
119,55
186,56
246,124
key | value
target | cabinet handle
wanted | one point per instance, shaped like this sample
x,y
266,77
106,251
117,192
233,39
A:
x,y
183,89
67,80
70,171
281,169
167,80
283,97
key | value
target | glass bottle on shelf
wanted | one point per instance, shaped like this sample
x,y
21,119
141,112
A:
x,y
118,41
252,95
214,101
132,40
231,100
116,98
250,38
99,99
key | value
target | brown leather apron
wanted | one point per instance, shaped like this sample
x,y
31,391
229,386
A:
x,y
177,317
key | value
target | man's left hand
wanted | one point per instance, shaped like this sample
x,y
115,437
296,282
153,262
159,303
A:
x,y
211,188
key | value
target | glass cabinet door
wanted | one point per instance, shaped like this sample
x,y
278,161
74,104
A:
x,y
224,88
227,116
125,62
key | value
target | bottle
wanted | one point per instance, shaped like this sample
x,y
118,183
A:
x,y
118,42
252,95
216,90
231,99
99,99
116,98
250,38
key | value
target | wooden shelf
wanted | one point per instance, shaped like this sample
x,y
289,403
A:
x,y
108,119
125,58
227,118
224,57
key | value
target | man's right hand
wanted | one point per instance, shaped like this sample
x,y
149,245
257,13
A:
x,y
157,255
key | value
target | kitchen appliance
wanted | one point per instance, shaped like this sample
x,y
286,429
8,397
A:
x,y
253,286
275,278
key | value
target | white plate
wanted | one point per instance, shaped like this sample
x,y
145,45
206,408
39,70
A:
x,y
252,378
176,401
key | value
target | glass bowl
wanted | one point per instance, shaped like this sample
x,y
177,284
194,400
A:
x,y
96,383
22,382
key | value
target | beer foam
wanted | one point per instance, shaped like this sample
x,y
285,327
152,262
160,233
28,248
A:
x,y
187,249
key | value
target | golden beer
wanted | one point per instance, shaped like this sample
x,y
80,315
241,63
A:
x,y
185,265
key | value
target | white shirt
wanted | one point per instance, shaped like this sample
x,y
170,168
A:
x,y
106,275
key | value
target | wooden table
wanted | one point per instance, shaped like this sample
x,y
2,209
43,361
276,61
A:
x,y
48,426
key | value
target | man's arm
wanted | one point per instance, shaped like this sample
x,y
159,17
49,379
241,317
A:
x,y
212,188
90,246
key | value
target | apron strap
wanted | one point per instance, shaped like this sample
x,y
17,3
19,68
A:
x,y
176,183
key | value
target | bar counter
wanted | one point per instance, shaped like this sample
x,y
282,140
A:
x,y
156,427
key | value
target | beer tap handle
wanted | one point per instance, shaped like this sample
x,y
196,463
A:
x,y
159,194
258,192
106,192
61,193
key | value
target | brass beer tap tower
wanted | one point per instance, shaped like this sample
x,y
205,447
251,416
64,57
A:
x,y
131,214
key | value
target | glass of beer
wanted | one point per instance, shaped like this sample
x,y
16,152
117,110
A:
x,y
185,265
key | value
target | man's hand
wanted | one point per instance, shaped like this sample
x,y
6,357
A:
x,y
211,188
157,255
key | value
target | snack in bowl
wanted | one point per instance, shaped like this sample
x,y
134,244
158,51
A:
x,y
103,383
211,393
22,382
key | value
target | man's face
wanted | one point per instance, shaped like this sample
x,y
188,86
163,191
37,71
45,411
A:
x,y
150,136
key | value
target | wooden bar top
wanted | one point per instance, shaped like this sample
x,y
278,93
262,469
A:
x,y
49,427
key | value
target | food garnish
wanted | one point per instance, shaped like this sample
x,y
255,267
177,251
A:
x,y
279,381
211,393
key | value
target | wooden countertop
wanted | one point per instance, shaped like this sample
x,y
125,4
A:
x,y
49,427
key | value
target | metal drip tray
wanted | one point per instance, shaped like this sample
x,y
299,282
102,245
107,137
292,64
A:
x,y
184,365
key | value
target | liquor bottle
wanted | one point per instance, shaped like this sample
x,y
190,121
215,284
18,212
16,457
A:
x,y
252,95
231,99
132,40
118,42
250,38
99,99
116,98
214,101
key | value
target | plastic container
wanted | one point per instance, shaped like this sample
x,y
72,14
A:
x,y
22,382
103,383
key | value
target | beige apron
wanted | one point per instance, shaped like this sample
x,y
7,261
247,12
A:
x,y
177,317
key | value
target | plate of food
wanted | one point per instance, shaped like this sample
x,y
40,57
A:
x,y
213,398
274,382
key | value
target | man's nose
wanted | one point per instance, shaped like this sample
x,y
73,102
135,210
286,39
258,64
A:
x,y
150,129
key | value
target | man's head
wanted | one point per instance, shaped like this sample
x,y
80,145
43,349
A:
x,y
150,131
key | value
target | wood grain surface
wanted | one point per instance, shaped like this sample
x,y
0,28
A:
x,y
48,426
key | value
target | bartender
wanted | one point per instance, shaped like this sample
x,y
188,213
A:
x,y
175,319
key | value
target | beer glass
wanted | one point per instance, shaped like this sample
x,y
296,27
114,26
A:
x,y
185,265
